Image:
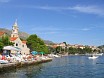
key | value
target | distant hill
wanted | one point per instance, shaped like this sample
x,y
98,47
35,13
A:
x,y
48,42
6,31
23,35
101,48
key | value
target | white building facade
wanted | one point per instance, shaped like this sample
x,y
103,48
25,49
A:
x,y
17,42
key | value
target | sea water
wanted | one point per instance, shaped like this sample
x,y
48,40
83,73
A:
x,y
62,67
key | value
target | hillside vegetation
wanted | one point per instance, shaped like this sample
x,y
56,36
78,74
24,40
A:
x,y
23,35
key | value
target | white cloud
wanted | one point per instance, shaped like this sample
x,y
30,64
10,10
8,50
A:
x,y
54,29
79,29
4,1
84,9
89,9
42,28
85,29
46,32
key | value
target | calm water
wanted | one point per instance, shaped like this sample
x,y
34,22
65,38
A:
x,y
65,67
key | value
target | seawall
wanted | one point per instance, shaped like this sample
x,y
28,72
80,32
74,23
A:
x,y
10,66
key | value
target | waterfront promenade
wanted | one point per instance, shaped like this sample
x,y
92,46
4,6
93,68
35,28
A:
x,y
17,64
72,66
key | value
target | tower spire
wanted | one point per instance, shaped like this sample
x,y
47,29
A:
x,y
15,24
15,30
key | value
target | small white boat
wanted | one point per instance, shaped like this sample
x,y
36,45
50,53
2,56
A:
x,y
56,56
100,54
3,62
93,57
53,55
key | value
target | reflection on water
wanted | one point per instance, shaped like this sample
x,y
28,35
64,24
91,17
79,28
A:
x,y
65,67
25,72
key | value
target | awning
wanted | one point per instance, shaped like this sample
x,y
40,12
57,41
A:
x,y
10,48
34,52
18,48
42,53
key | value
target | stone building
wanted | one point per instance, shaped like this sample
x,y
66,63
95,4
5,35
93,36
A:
x,y
18,43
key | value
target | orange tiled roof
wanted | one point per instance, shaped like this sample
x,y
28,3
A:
x,y
24,42
1,33
13,38
54,46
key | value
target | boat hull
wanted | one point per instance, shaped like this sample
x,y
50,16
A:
x,y
93,57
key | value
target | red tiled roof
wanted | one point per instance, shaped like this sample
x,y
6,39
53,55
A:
x,y
13,38
1,33
24,42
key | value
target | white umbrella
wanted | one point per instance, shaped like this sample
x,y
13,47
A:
x,y
10,48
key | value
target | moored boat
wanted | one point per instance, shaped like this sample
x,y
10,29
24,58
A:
x,y
93,57
99,54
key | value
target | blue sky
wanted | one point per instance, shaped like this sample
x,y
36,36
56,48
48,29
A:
x,y
72,21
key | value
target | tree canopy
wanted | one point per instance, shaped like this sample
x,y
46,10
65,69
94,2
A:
x,y
72,50
36,44
5,41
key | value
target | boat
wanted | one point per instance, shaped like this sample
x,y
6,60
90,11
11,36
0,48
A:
x,y
99,54
3,62
93,57
53,55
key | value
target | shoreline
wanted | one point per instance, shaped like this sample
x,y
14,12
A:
x,y
10,66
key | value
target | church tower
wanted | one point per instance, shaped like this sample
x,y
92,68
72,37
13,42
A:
x,y
15,30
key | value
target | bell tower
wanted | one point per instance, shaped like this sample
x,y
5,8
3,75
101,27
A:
x,y
15,30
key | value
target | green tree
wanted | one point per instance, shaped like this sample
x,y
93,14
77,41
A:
x,y
58,49
80,51
1,47
6,41
72,50
65,46
36,44
101,48
87,50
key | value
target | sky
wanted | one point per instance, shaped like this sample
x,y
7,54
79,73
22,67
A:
x,y
71,21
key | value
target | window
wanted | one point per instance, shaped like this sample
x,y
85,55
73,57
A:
x,y
16,44
22,45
